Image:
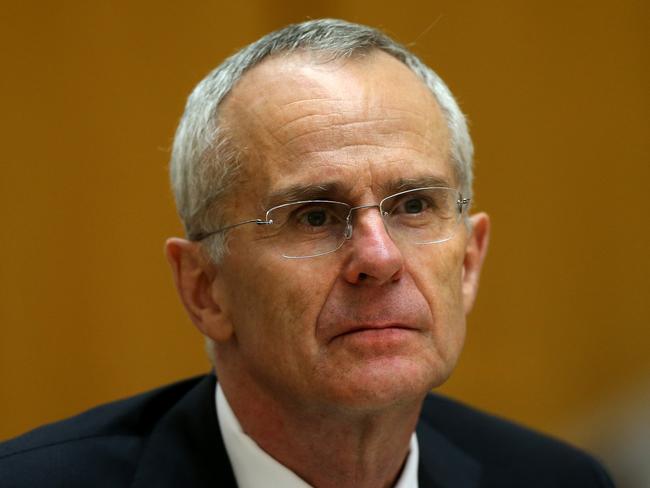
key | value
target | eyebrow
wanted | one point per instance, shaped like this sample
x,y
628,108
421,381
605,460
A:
x,y
404,184
297,193
337,191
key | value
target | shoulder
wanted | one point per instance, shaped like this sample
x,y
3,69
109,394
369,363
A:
x,y
509,454
101,444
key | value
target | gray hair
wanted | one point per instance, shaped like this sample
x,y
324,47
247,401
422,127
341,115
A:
x,y
205,161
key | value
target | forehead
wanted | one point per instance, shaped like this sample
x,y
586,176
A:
x,y
360,122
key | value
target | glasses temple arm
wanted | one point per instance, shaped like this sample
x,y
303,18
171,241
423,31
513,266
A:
x,y
199,236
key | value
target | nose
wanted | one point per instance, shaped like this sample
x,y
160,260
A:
x,y
373,258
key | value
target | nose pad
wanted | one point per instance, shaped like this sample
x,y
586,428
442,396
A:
x,y
348,230
348,222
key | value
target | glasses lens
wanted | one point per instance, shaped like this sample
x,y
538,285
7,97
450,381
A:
x,y
423,215
309,228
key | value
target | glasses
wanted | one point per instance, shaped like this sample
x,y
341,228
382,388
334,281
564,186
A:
x,y
312,228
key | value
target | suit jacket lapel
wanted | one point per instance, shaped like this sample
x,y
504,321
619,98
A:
x,y
442,464
185,448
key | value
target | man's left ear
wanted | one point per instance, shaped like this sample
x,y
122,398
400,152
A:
x,y
477,245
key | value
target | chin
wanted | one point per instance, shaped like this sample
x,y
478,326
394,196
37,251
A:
x,y
386,382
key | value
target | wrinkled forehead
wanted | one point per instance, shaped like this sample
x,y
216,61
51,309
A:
x,y
297,116
275,89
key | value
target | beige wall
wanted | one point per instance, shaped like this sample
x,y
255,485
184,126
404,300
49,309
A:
x,y
558,102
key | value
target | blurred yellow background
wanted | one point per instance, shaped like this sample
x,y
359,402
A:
x,y
557,98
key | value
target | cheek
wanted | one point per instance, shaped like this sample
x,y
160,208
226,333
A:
x,y
275,307
438,275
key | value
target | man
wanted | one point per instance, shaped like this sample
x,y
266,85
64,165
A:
x,y
323,175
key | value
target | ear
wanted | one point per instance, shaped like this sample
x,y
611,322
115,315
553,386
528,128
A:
x,y
477,245
197,282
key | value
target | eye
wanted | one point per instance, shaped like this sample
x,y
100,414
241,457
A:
x,y
315,218
414,205
318,216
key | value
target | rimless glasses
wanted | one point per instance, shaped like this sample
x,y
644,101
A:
x,y
312,228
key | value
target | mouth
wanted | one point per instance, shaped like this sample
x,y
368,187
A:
x,y
379,331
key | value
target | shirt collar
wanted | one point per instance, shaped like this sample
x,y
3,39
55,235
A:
x,y
254,468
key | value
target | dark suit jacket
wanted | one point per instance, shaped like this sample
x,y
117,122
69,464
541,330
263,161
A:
x,y
170,437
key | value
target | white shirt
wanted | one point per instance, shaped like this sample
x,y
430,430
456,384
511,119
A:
x,y
254,468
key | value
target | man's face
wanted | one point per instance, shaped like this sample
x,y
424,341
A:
x,y
372,323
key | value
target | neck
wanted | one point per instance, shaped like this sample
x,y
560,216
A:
x,y
326,446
